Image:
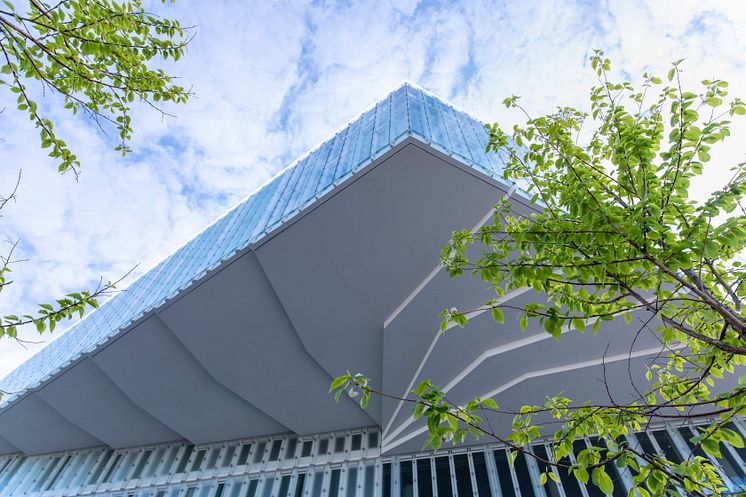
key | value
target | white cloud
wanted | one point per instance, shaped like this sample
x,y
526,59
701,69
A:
x,y
272,79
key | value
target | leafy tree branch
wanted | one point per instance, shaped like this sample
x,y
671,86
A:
x,y
614,230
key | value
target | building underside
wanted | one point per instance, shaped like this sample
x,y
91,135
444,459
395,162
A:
x,y
208,376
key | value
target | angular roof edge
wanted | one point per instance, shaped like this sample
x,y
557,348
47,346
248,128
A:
x,y
408,111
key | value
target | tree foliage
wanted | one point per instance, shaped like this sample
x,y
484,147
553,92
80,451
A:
x,y
97,56
616,231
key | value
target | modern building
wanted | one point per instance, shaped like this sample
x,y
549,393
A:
x,y
208,376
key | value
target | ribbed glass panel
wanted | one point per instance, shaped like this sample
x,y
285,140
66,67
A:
x,y
417,119
382,126
347,154
330,168
475,144
296,175
434,118
458,142
399,114
364,140
285,177
253,227
316,171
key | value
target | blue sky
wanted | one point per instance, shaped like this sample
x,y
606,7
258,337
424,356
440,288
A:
x,y
273,79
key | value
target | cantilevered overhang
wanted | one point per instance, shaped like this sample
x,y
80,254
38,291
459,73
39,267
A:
x,y
331,266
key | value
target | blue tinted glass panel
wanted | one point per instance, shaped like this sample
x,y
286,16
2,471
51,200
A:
x,y
417,118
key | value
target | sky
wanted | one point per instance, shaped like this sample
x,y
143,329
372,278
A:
x,y
272,79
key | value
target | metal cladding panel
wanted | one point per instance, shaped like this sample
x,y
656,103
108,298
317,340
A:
x,y
407,111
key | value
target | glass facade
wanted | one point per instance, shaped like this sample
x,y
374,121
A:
x,y
345,464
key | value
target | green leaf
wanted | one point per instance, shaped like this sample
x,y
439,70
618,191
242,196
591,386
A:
x,y
602,480
498,315
523,322
553,326
731,437
581,474
338,382
711,447
578,324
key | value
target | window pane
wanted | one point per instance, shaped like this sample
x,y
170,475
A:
x,y
269,483
667,446
339,444
184,458
525,484
503,473
243,456
154,462
424,478
112,468
318,481
235,489
370,480
372,439
323,446
251,489
197,464
357,441
300,484
284,486
100,468
551,487
406,479
443,476
58,472
212,461
351,482
386,484
141,464
307,447
291,446
334,484
463,475
168,461
481,475
228,456
259,454
274,453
